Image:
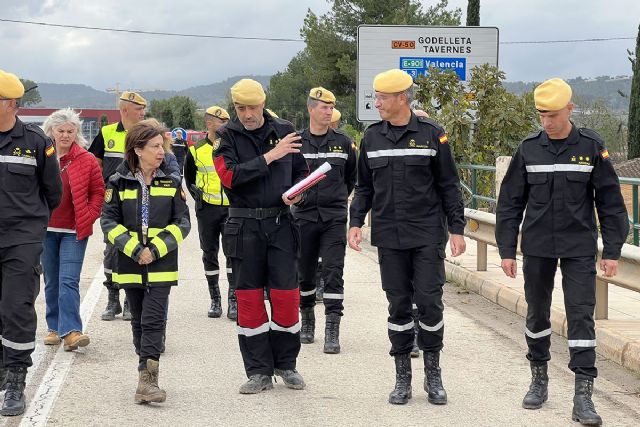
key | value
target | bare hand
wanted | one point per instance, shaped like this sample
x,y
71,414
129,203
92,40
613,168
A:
x,y
609,266
288,144
457,244
146,257
510,267
355,238
290,202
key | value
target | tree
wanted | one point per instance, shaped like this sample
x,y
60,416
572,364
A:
x,y
634,103
329,58
598,116
31,96
178,111
473,13
288,90
103,121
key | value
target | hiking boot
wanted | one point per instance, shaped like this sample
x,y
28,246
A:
x,y
148,390
52,338
584,410
113,306
402,390
126,312
332,334
14,402
215,309
256,384
232,308
291,378
538,391
308,327
436,393
75,339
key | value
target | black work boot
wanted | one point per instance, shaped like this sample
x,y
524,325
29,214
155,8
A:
x,y
126,311
402,391
232,311
433,378
291,378
113,305
538,393
256,384
415,350
332,334
3,376
308,327
14,403
215,310
583,409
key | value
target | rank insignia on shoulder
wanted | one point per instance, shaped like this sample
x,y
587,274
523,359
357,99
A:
x,y
108,195
605,154
443,138
50,150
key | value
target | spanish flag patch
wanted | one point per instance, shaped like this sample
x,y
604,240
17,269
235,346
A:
x,y
605,154
443,138
50,150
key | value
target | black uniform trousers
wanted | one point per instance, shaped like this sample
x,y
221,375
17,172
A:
x,y
579,288
110,263
327,240
414,276
263,254
148,320
20,272
211,220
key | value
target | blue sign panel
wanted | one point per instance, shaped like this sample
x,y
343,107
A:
x,y
420,66
179,133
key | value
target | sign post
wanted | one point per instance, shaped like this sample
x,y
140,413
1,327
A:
x,y
415,49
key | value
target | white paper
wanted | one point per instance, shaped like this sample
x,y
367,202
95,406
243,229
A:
x,y
324,168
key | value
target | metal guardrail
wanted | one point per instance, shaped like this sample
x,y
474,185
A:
x,y
481,227
472,190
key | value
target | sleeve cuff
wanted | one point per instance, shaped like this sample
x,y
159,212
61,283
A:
x,y
356,222
507,253
608,253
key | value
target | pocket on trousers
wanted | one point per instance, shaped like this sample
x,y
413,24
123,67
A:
x,y
232,240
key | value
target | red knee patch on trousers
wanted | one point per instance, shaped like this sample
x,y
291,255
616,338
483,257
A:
x,y
284,306
251,310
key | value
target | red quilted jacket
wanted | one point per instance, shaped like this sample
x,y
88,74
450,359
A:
x,y
87,189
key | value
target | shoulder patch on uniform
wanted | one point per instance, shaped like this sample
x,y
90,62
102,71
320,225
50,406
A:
x,y
605,154
50,150
108,195
533,135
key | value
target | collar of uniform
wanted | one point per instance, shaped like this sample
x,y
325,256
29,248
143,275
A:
x,y
411,126
120,127
572,139
237,126
329,136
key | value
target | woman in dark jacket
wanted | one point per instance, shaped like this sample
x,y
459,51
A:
x,y
145,216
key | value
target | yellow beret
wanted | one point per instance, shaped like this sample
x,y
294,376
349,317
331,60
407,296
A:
x,y
335,116
133,97
322,94
552,95
248,92
271,113
218,112
10,86
392,81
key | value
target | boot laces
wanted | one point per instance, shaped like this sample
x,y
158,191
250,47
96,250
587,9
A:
x,y
13,392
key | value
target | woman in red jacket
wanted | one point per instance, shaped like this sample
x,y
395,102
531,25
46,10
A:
x,y
69,229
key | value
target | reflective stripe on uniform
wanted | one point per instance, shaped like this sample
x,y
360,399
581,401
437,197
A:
x,y
401,152
130,246
211,272
115,232
326,155
113,154
559,168
17,345
332,296
163,276
292,329
250,332
307,293
153,232
207,197
582,343
126,278
229,270
206,169
437,327
400,328
161,191
18,160
160,245
536,335
129,194
175,231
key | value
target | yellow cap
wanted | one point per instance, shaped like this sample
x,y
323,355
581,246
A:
x,y
392,81
552,95
10,86
218,112
248,92
335,116
133,97
322,94
271,113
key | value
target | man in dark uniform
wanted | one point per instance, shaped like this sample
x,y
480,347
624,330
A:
x,y
258,160
212,206
408,179
30,190
558,175
108,147
322,218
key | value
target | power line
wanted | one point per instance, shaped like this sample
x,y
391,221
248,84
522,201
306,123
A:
x,y
271,39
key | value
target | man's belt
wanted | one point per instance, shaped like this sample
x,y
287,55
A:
x,y
257,213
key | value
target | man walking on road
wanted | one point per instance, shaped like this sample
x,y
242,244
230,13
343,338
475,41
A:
x,y
31,189
258,160
558,175
408,179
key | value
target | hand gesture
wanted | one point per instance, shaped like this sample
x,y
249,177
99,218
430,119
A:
x,y
288,144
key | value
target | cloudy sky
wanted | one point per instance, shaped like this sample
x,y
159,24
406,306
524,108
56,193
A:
x,y
147,62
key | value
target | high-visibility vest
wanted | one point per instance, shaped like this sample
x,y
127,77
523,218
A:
x,y
114,145
207,178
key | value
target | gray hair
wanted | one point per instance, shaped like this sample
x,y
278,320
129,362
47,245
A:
x,y
409,94
312,103
61,117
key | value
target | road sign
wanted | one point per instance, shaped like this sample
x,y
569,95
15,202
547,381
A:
x,y
415,49
179,133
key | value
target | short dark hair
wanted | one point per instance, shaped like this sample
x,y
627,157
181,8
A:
x,y
138,137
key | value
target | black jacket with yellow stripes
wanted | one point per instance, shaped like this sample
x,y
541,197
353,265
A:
x,y
169,224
